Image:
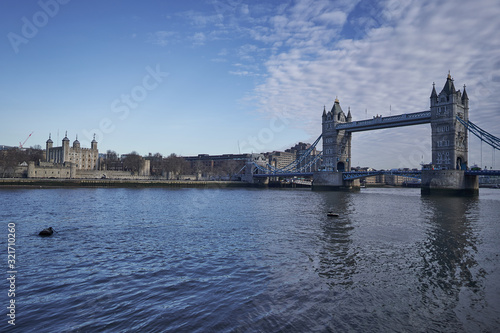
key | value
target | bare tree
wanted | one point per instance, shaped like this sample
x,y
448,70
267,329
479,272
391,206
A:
x,y
8,161
230,167
201,167
175,164
111,161
133,162
11,158
111,155
156,162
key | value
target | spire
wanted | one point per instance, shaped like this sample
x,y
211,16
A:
x,y
336,109
324,110
464,96
349,116
49,140
66,136
449,87
93,144
434,94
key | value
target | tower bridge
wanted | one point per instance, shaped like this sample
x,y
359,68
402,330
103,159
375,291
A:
x,y
448,171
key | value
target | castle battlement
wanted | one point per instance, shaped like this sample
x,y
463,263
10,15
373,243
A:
x,y
82,158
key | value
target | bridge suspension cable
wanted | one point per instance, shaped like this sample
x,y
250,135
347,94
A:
x,y
484,136
294,166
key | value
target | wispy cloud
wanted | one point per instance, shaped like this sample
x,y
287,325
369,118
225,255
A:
x,y
161,38
377,57
392,64
201,19
199,38
244,73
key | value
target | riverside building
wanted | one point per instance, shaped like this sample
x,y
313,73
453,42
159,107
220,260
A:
x,y
82,158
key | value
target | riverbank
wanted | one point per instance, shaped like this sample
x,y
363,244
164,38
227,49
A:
x,y
45,182
31,182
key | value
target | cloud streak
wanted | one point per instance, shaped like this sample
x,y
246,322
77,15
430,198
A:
x,y
161,38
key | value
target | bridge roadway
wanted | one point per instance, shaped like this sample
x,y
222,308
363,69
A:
x,y
411,174
406,119
285,174
483,172
362,174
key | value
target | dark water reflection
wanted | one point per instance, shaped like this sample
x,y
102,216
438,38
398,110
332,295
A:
x,y
338,257
191,260
451,260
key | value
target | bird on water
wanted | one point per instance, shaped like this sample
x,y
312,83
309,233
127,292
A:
x,y
46,232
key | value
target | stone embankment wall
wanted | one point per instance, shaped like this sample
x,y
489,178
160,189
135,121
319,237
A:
x,y
69,171
32,182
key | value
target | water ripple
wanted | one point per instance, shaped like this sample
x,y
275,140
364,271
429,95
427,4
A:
x,y
239,260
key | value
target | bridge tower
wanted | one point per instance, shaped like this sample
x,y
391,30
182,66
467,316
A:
x,y
336,143
449,144
449,136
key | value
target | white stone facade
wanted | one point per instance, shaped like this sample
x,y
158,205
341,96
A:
x,y
82,158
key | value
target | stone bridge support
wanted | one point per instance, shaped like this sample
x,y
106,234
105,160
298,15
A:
x,y
250,171
449,182
333,181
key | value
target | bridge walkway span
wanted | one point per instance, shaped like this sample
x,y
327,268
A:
x,y
406,119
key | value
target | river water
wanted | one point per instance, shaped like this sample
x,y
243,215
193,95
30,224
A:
x,y
251,260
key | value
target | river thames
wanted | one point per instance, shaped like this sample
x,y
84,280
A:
x,y
251,260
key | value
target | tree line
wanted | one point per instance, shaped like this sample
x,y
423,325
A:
x,y
12,158
177,165
133,162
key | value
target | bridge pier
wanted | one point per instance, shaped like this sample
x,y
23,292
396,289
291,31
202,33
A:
x,y
333,181
449,182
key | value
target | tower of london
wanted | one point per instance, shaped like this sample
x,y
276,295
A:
x,y
81,158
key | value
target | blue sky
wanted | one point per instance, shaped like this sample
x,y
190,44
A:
x,y
229,76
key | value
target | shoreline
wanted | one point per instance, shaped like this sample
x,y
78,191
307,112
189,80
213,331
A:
x,y
31,182
120,183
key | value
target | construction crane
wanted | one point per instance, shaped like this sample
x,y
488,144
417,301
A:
x,y
22,144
